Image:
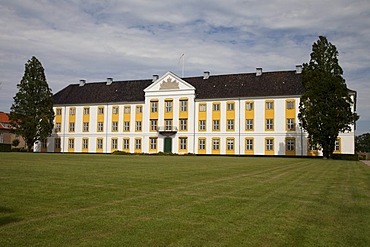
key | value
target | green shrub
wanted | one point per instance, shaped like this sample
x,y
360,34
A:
x,y
5,147
353,157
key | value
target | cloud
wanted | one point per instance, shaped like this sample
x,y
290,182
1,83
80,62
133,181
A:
x,y
137,38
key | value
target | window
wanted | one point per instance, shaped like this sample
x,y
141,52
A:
x,y
269,124
71,143
216,107
139,109
230,144
216,144
230,124
312,147
202,144
59,111
115,110
86,127
269,144
154,106
337,146
86,111
249,106
100,126
58,127
202,107
183,124
183,105
114,144
153,124
269,105
44,143
1,138
71,127
216,124
202,125
138,126
126,144
100,110
153,142
72,111
137,143
230,106
290,124
183,142
114,126
57,143
100,144
249,124
168,124
168,105
249,144
85,143
290,104
290,144
127,109
126,126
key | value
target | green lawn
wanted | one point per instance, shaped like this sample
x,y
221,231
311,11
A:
x,y
108,200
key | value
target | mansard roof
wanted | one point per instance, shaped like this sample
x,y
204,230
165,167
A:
x,y
269,84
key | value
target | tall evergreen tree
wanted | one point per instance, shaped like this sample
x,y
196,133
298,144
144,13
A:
x,y
32,110
325,107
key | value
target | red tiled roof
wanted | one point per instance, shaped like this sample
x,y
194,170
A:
x,y
4,118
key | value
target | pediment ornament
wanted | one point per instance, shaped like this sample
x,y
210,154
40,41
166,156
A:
x,y
169,84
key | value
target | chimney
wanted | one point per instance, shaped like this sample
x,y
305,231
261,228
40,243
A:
x,y
258,71
205,75
109,81
298,69
155,77
82,83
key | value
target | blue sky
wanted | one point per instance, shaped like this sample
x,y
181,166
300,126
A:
x,y
134,39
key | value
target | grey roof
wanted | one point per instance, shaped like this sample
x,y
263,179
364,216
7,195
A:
x,y
279,83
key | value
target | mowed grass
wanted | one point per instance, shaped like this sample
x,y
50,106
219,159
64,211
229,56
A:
x,y
108,200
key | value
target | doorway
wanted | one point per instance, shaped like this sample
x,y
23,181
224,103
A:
x,y
167,145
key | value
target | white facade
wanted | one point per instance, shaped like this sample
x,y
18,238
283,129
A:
x,y
179,128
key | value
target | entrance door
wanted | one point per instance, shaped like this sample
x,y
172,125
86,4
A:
x,y
167,145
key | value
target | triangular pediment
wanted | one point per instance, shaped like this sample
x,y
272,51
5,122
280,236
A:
x,y
169,82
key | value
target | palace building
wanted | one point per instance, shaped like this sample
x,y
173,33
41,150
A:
x,y
233,114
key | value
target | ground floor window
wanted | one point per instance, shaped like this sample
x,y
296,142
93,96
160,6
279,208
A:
x,y
216,144
153,143
85,143
99,144
114,144
126,144
269,144
230,144
202,144
183,143
138,144
249,144
290,144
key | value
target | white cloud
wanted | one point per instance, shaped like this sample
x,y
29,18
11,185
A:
x,y
137,38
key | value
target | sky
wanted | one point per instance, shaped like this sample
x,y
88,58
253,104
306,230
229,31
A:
x,y
135,39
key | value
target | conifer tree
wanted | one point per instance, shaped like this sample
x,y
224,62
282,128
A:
x,y
325,107
32,110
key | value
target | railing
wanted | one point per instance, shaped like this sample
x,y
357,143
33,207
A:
x,y
168,129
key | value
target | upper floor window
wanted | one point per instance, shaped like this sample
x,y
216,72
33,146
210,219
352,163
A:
x,y
183,105
100,110
115,110
230,106
127,109
59,111
86,111
249,106
290,104
154,106
168,105
139,109
72,111
269,105
290,124
216,107
202,107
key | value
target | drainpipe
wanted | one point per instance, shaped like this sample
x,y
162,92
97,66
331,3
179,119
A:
x,y
106,132
64,127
